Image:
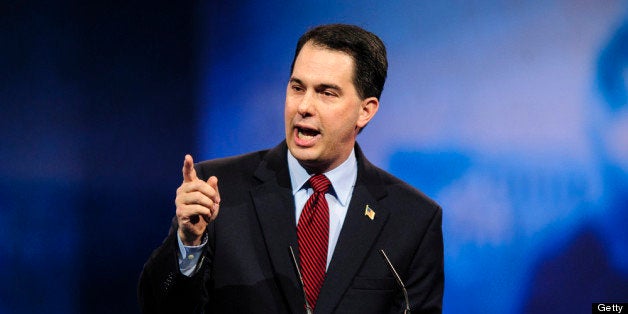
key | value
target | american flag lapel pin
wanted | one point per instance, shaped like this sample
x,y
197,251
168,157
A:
x,y
369,212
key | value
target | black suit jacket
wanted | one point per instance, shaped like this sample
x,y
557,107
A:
x,y
247,267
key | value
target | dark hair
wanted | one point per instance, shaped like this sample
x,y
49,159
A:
x,y
366,49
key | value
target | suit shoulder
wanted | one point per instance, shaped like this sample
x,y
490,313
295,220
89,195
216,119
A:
x,y
239,164
405,193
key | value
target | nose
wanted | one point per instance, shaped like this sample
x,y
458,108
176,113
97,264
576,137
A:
x,y
306,105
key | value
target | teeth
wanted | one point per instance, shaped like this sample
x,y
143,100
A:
x,y
302,135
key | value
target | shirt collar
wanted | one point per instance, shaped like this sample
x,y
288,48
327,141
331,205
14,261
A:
x,y
342,178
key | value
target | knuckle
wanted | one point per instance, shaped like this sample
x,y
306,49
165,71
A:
x,y
179,213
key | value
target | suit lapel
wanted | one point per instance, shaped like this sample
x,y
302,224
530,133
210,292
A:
x,y
274,206
359,233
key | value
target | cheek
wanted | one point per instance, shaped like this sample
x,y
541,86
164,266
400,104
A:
x,y
343,124
289,109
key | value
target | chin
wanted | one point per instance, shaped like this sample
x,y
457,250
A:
x,y
306,157
303,155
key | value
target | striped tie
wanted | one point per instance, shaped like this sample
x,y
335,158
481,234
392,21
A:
x,y
313,236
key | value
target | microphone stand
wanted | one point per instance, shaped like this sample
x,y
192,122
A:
x,y
398,279
308,308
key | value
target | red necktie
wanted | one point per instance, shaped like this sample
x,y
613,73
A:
x,y
313,237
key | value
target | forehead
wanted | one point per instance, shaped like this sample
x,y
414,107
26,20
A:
x,y
317,62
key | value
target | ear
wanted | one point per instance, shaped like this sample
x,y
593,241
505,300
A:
x,y
368,109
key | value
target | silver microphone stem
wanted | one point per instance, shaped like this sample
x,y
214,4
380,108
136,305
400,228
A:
x,y
308,308
399,281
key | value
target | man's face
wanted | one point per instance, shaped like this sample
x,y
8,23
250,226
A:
x,y
323,112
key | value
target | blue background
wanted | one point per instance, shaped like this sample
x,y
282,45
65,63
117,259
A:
x,y
512,115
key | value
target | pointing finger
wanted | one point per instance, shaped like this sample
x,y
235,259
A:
x,y
189,174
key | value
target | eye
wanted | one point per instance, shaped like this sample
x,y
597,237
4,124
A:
x,y
296,88
329,93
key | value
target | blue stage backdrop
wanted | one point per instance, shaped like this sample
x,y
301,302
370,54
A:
x,y
97,110
512,115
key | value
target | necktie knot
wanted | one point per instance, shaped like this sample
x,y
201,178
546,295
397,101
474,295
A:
x,y
320,183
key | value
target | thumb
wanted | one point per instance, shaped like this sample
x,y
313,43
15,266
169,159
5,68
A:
x,y
189,173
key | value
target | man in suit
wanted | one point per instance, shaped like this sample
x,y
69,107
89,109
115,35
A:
x,y
314,193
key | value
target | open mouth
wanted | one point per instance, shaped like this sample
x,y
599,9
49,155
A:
x,y
306,134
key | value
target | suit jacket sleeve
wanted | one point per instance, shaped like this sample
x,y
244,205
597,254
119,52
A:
x,y
426,282
164,289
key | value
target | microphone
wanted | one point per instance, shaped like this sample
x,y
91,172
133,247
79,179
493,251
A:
x,y
397,278
308,308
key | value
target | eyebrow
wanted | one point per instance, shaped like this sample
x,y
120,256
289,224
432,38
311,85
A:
x,y
318,87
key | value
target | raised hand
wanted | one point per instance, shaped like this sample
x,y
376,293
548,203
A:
x,y
197,202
